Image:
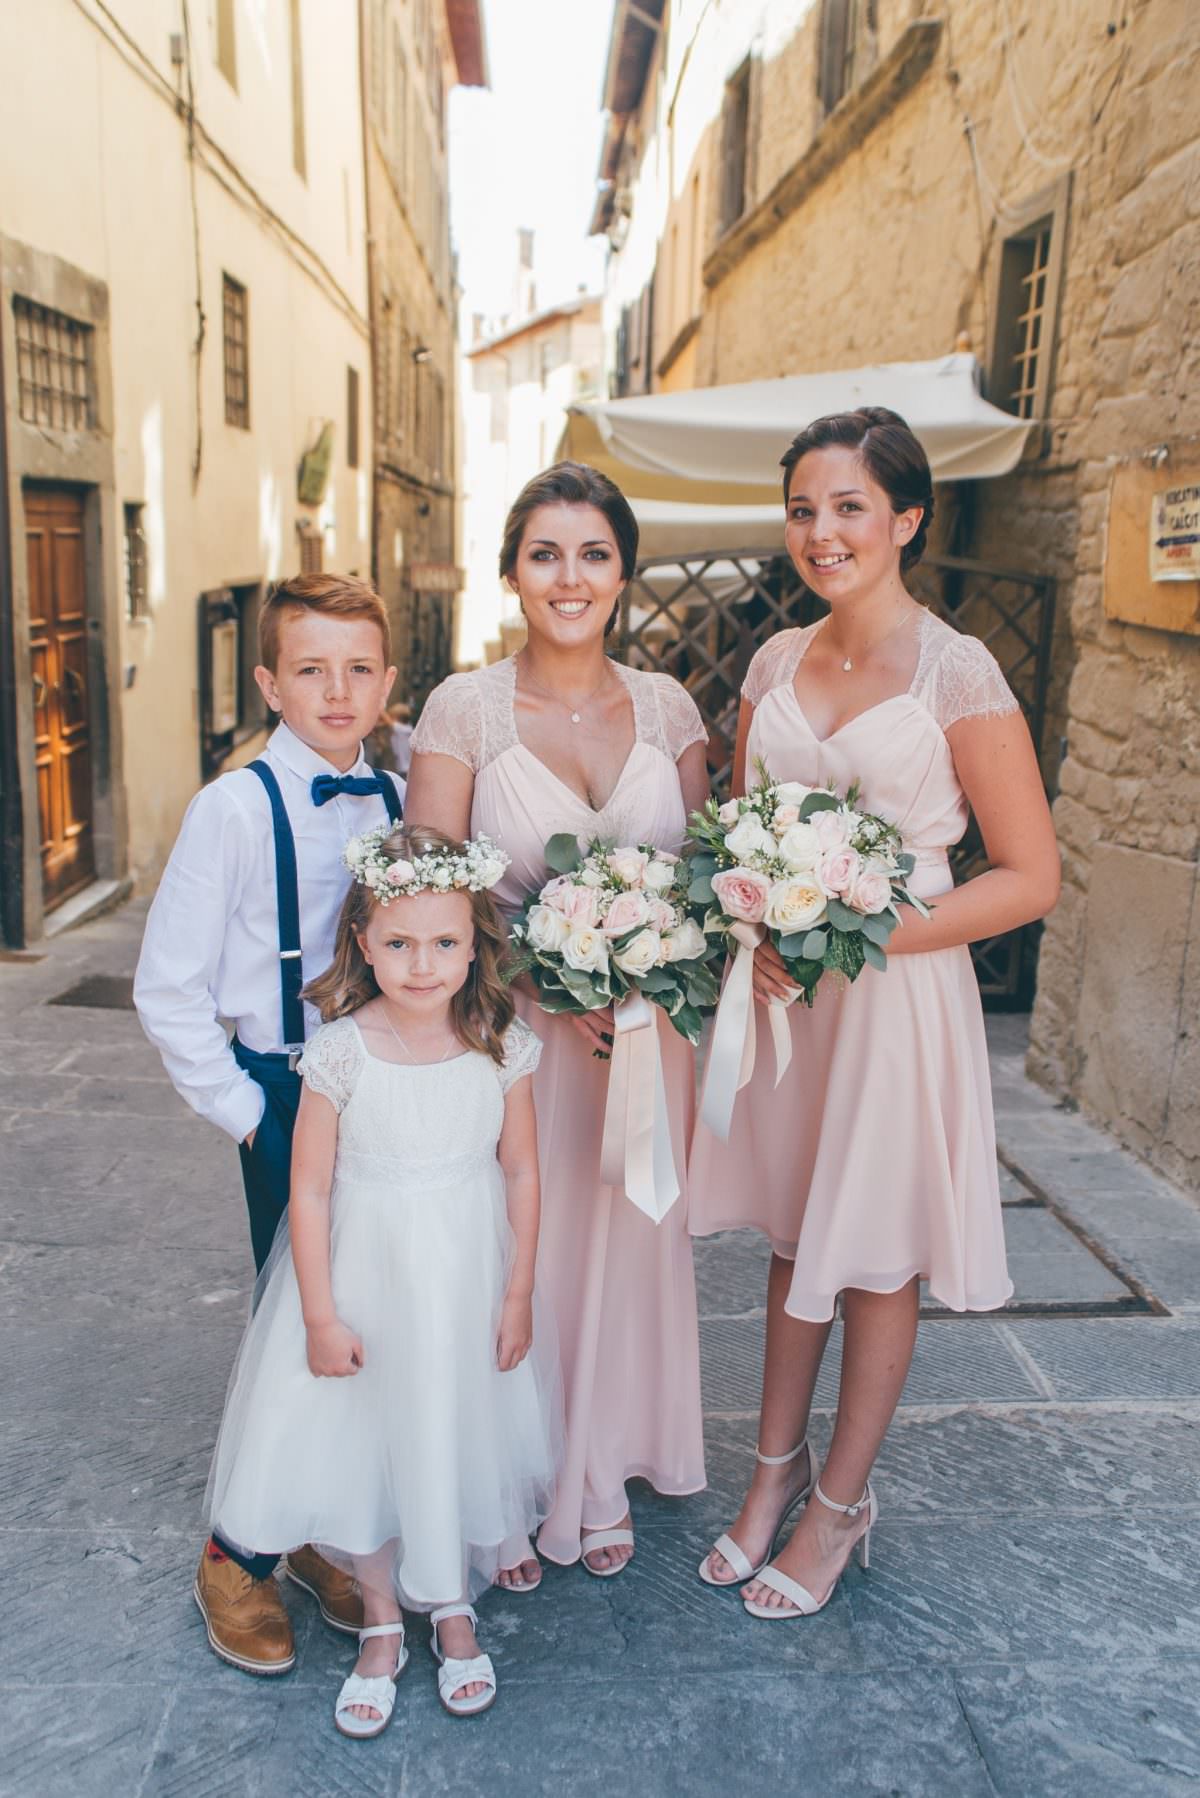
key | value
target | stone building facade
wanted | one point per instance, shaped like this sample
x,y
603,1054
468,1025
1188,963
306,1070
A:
x,y
792,189
183,322
415,51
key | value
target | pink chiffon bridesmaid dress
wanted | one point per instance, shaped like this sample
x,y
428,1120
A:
x,y
875,1158
621,1288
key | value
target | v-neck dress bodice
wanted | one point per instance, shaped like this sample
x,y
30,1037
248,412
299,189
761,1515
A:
x,y
622,1288
875,1158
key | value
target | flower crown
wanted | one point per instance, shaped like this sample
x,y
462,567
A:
x,y
474,868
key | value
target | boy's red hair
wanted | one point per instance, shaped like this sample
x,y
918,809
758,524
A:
x,y
336,595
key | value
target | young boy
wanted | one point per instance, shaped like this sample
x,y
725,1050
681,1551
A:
x,y
245,913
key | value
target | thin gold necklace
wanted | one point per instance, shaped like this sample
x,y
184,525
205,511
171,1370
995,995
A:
x,y
573,712
848,665
408,1051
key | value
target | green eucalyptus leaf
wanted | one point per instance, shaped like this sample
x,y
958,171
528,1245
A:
x,y
843,918
817,802
814,945
874,955
876,930
562,852
700,889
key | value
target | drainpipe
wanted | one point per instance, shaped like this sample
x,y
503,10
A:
x,y
12,836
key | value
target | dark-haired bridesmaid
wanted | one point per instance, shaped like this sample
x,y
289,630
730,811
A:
x,y
561,738
873,1165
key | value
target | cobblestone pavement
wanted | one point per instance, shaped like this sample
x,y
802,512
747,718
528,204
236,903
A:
x,y
1030,1625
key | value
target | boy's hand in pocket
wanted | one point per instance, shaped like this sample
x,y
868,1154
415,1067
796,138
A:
x,y
334,1350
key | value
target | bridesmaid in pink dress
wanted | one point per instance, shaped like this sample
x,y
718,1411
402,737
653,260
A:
x,y
873,1164
560,738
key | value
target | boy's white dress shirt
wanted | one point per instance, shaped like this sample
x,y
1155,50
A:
x,y
211,949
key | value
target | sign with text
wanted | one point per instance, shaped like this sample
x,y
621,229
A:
x,y
1175,534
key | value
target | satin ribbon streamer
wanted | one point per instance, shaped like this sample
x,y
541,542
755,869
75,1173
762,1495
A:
x,y
731,1057
636,1153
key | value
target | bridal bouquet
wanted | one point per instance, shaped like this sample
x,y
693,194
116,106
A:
x,y
824,879
808,870
615,921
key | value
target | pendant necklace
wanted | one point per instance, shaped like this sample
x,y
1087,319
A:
x,y
848,665
573,712
412,1058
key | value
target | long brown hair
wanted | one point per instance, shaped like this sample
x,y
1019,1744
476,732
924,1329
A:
x,y
481,1010
891,454
573,484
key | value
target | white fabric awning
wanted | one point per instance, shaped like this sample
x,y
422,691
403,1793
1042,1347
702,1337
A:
x,y
704,462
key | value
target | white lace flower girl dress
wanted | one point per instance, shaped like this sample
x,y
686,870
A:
x,y
429,1453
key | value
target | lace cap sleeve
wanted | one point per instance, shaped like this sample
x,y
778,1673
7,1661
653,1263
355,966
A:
x,y
773,665
451,722
679,716
965,682
522,1052
332,1061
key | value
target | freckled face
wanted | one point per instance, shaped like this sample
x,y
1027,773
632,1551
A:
x,y
841,531
421,948
568,574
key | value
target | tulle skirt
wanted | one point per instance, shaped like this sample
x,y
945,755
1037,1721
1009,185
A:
x,y
427,1469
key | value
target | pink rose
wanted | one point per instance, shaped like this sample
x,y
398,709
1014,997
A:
x,y
628,911
871,892
742,893
577,904
663,916
782,816
628,865
831,829
838,869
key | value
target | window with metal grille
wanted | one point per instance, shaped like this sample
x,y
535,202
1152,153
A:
x,y
735,140
55,383
237,353
227,41
312,551
351,417
299,148
1029,279
137,603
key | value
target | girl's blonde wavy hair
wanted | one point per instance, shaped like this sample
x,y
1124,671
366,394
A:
x,y
482,1009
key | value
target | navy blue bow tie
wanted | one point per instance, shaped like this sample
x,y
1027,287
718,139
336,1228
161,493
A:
x,y
328,786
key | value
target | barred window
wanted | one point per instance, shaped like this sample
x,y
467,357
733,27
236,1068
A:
x,y
1028,287
237,353
735,138
351,417
136,599
54,368
847,41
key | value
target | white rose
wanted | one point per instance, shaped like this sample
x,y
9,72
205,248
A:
x,y
441,877
490,870
642,954
686,943
783,817
586,951
791,792
547,930
794,904
730,812
748,837
799,846
591,877
629,865
659,876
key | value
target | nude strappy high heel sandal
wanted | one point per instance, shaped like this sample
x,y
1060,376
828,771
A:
x,y
798,1596
726,1546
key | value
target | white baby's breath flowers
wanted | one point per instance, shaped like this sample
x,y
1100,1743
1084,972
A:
x,y
476,867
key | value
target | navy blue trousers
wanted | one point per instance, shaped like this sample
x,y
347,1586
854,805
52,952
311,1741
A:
x,y
266,1176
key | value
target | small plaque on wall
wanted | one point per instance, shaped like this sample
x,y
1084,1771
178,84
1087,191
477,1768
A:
x,y
1152,556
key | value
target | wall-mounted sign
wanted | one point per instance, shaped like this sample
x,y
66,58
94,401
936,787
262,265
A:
x,y
435,577
315,464
1151,571
1175,534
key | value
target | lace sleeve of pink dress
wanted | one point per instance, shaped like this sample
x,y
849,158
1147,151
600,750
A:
x,y
451,722
963,680
775,663
678,716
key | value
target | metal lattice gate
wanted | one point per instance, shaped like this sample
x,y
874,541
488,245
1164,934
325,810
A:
x,y
701,618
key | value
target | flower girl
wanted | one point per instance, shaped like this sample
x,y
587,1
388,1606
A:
x,y
384,1402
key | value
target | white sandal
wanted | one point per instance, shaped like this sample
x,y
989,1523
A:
x,y
454,1673
798,1596
378,1691
592,1541
728,1548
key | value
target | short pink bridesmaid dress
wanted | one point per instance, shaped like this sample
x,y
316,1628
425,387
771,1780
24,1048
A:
x,y
621,1287
875,1158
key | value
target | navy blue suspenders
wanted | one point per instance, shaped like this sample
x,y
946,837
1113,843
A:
x,y
287,898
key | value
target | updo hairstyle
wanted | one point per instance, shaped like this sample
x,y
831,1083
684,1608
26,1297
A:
x,y
891,455
573,484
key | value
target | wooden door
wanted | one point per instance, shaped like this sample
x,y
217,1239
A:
x,y
59,669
